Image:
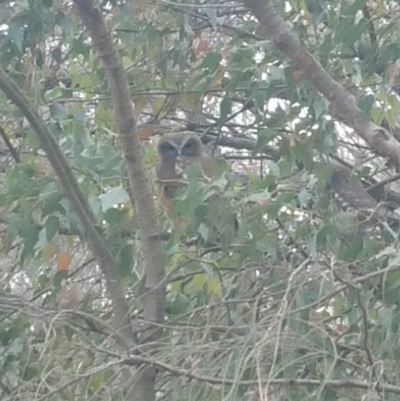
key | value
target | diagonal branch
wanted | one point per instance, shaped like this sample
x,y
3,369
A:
x,y
344,103
97,243
91,15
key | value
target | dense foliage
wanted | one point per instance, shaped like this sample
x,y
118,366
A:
x,y
302,302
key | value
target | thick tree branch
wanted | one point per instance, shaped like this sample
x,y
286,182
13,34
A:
x,y
91,15
97,243
274,28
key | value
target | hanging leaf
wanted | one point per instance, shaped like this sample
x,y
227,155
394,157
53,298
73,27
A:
x,y
263,138
63,261
52,225
225,109
113,198
16,34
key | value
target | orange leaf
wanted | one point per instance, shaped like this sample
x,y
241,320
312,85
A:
x,y
63,261
49,251
146,132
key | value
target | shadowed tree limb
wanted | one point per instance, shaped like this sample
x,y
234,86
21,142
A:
x,y
96,241
343,102
143,388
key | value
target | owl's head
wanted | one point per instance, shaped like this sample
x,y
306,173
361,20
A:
x,y
179,144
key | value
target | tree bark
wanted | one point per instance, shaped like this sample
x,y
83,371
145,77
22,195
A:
x,y
97,242
91,14
344,103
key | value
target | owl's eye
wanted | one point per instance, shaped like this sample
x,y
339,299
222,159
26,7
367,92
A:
x,y
189,148
168,150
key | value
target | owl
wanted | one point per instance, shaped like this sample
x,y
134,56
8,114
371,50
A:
x,y
176,152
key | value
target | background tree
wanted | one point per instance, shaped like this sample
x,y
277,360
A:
x,y
301,98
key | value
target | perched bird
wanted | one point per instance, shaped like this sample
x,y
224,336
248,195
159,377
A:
x,y
176,152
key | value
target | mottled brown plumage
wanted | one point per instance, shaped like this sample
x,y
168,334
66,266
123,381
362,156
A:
x,y
177,151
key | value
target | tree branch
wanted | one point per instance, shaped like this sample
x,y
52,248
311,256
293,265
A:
x,y
97,243
9,145
90,12
274,28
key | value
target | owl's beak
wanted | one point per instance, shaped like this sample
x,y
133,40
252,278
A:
x,y
179,156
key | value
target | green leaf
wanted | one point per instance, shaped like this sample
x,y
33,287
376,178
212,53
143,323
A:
x,y
224,108
303,153
52,204
65,22
113,197
320,108
304,197
95,205
116,218
57,112
366,103
322,172
347,32
42,240
16,34
376,115
56,55
126,260
178,304
30,236
391,53
96,382
52,226
211,62
214,287
59,277
322,236
350,251
199,280
264,137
